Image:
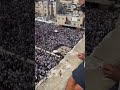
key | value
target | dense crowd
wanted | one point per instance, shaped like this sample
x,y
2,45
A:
x,y
15,74
44,62
47,38
17,36
17,26
99,22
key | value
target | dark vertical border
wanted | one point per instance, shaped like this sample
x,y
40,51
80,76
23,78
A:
x,y
17,44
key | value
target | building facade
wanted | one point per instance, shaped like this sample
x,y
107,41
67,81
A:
x,y
73,16
65,1
63,12
47,8
71,20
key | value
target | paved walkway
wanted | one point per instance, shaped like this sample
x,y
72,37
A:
x,y
46,51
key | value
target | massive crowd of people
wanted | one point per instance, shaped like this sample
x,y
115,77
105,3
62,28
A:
x,y
48,37
15,74
16,36
44,62
17,27
99,22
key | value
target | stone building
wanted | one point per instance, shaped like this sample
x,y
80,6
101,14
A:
x,y
47,8
71,20
73,16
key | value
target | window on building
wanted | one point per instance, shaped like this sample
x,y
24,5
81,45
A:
x,y
62,18
78,19
74,24
81,25
45,14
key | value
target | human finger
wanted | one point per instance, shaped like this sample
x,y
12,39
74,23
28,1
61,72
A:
x,y
107,72
108,67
